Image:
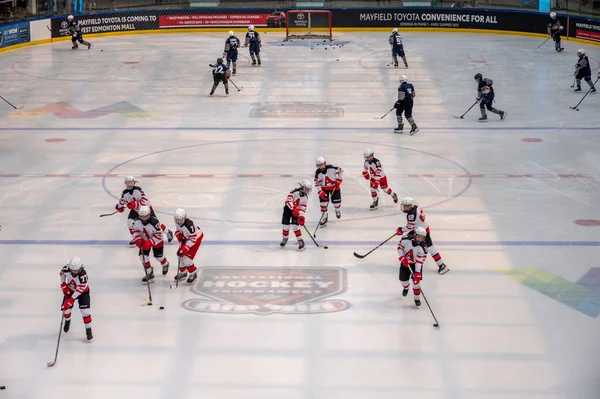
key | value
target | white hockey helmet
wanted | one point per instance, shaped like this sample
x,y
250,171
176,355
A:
x,y
251,28
368,153
144,211
70,18
580,52
231,33
320,161
130,181
403,79
552,15
75,264
305,186
395,30
179,216
407,202
420,232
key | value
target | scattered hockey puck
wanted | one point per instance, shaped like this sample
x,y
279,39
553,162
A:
x,y
101,50
326,247
162,307
388,64
337,60
325,48
2,387
576,109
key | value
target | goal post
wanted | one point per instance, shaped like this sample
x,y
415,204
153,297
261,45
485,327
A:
x,y
308,24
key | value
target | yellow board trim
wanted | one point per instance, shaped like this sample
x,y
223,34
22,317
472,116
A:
x,y
225,30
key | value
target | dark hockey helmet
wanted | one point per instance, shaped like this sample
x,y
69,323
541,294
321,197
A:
x,y
478,76
219,61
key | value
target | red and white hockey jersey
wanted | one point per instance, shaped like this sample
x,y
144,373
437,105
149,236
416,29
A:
x,y
188,233
415,218
373,169
77,284
415,253
148,230
133,194
295,200
326,179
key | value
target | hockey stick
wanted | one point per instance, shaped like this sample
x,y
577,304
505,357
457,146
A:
x,y
463,115
365,255
386,114
573,84
436,324
62,319
310,235
233,83
149,301
9,103
543,42
588,92
108,214
176,285
323,213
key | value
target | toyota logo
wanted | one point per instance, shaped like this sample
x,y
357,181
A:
x,y
300,16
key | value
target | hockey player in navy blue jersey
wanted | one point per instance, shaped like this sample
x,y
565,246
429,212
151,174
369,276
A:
x,y
253,40
395,41
583,71
220,74
231,50
485,97
75,31
554,30
406,94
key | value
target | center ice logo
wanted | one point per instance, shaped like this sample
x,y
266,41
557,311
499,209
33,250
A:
x,y
264,290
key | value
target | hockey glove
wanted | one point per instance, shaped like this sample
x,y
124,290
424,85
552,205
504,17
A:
x,y
403,261
68,304
397,104
399,231
366,175
416,278
65,289
323,196
295,212
301,220
119,209
375,183
338,183
132,205
138,242
478,99
179,236
183,250
146,245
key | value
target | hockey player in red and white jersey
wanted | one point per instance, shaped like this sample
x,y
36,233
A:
x,y
328,179
190,238
132,198
374,173
293,213
74,285
415,217
147,234
412,251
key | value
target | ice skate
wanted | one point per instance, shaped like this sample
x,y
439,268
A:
x,y
227,91
578,88
169,235
414,130
149,276
399,128
67,326
300,244
88,333
181,275
396,64
89,45
395,198
502,115
75,47
323,221
193,277
375,204
284,241
132,243
443,269
417,302
405,292
338,213
483,119
165,268
233,72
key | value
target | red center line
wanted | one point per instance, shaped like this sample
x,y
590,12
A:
x,y
276,176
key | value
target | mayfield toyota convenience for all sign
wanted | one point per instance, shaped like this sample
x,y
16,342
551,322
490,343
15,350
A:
x,y
268,290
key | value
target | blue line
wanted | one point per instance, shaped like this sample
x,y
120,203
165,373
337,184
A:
x,y
279,129
338,242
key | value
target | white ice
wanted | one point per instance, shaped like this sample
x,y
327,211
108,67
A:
x,y
485,191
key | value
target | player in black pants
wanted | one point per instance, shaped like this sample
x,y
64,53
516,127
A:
x,y
220,74
404,104
485,97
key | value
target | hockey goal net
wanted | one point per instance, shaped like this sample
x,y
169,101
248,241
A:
x,y
308,24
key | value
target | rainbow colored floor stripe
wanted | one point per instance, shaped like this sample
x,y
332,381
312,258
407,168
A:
x,y
583,296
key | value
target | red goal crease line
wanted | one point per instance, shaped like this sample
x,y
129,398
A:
x,y
274,176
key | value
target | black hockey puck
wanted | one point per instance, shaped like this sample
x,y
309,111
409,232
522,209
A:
x,y
326,247
2,387
162,307
101,50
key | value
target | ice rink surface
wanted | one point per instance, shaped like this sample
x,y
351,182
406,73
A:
x,y
513,207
